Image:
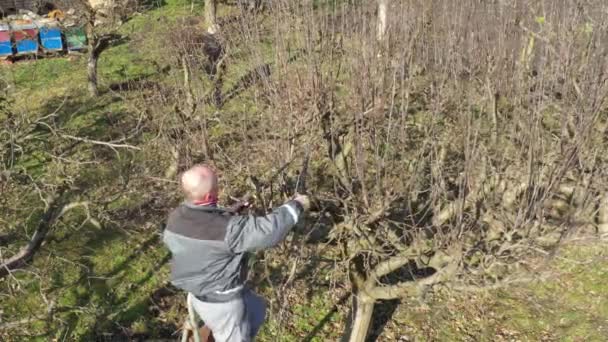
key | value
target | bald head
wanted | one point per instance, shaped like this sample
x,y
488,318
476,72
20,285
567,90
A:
x,y
200,183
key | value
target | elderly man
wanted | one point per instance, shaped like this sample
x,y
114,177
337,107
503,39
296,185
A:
x,y
209,246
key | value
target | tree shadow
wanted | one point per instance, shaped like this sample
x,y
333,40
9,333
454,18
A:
x,y
385,309
117,328
141,82
383,313
317,329
152,4
96,287
138,83
91,286
252,77
7,238
77,119
136,253
73,106
161,299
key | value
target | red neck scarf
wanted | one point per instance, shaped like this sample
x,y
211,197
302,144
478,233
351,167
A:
x,y
208,200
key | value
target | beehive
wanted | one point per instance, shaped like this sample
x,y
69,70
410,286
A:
x,y
26,37
50,37
6,46
76,38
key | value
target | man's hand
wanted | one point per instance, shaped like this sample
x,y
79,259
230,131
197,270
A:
x,y
303,200
240,204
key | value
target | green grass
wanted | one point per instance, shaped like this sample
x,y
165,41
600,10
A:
x,y
34,80
109,280
94,278
113,279
566,307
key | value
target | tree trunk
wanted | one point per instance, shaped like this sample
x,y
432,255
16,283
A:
x,y
363,306
382,21
210,16
97,46
249,5
92,72
190,104
93,54
603,216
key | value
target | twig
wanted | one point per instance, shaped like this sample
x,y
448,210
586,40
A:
x,y
16,323
162,179
104,143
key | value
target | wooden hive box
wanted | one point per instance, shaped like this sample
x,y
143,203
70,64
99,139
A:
x,y
26,37
6,46
50,36
75,38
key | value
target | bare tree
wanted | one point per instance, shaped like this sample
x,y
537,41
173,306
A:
x,y
211,16
382,18
38,201
211,12
459,157
101,23
448,160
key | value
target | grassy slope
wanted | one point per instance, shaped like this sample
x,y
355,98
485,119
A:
x,y
568,306
101,278
113,279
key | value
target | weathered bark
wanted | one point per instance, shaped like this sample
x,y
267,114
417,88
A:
x,y
92,73
211,16
97,45
363,307
93,57
190,111
93,40
494,112
389,265
190,104
250,5
5,239
171,171
603,216
382,19
54,208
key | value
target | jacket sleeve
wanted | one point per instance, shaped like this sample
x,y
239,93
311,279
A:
x,y
250,233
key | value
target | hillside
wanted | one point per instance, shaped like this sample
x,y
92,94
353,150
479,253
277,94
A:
x,y
102,272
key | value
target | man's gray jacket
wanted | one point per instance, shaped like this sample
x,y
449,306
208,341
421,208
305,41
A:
x,y
209,246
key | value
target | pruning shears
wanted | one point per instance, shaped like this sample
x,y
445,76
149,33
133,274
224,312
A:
x,y
301,181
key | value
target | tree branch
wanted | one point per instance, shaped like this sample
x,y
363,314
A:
x,y
104,143
53,211
390,265
416,287
602,217
453,208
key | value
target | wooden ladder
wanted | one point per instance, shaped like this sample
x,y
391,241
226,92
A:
x,y
191,327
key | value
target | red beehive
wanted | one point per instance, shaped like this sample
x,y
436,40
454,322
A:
x,y
26,37
6,47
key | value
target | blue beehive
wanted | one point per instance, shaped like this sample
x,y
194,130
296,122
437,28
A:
x,y
6,47
50,38
26,38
